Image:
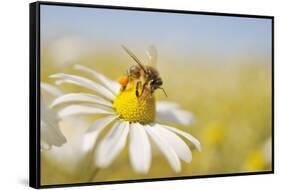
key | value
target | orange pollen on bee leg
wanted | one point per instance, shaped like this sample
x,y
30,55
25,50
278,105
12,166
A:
x,y
123,80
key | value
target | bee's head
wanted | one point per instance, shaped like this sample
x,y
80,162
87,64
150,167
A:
x,y
156,84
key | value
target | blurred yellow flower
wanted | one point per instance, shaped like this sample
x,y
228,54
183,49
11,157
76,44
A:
x,y
213,133
255,161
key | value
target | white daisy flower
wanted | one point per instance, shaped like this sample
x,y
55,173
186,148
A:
x,y
54,135
131,118
49,129
70,153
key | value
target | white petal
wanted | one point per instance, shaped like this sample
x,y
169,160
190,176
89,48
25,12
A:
x,y
82,109
165,148
186,135
177,116
139,149
63,81
166,106
100,123
84,82
80,97
179,146
44,145
50,89
169,112
89,140
110,84
93,132
51,136
50,132
110,147
106,108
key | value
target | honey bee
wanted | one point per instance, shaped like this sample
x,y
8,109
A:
x,y
146,76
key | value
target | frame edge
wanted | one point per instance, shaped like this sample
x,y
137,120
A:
x,y
34,104
34,130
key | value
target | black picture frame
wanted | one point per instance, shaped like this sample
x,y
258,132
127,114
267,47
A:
x,y
34,91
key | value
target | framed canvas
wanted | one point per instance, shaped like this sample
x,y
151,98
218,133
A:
x,y
122,94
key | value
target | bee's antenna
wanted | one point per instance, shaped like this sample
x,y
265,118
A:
x,y
132,55
163,91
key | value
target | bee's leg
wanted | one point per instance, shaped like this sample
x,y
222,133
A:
x,y
143,87
122,88
137,88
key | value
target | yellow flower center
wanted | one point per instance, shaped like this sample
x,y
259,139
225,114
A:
x,y
135,109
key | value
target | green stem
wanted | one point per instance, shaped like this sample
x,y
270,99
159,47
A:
x,y
94,174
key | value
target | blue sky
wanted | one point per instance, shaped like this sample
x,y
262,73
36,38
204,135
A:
x,y
185,33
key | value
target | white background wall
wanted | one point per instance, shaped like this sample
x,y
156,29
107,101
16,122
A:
x,y
14,44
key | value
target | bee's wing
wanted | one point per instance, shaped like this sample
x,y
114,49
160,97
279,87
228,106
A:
x,y
152,55
132,55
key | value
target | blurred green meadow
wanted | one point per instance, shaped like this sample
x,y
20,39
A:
x,y
231,103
